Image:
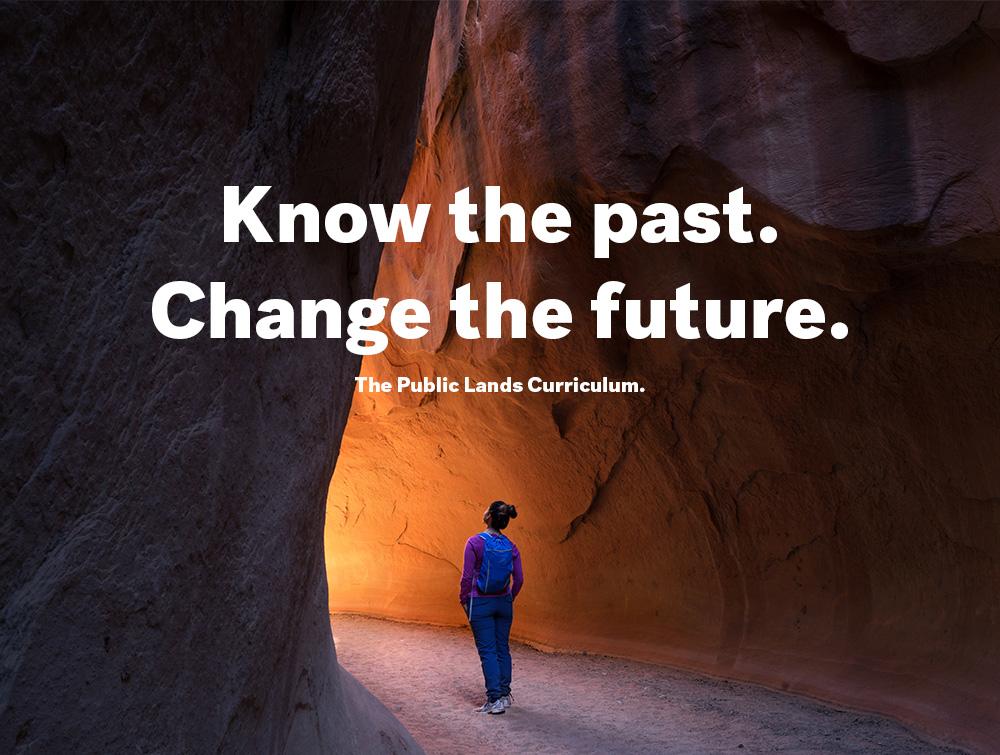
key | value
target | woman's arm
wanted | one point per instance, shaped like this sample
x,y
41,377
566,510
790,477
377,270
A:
x,y
515,587
468,573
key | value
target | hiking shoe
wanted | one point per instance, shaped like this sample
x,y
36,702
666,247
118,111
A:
x,y
494,708
507,700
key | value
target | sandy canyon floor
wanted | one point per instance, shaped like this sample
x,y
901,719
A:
x,y
430,678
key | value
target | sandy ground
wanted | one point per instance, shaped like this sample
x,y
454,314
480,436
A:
x,y
430,678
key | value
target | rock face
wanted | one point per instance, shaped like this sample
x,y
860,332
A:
x,y
820,516
162,569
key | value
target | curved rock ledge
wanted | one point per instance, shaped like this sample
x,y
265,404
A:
x,y
162,574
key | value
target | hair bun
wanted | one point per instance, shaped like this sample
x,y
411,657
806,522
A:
x,y
511,511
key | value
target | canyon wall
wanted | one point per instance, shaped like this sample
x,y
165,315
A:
x,y
821,516
162,576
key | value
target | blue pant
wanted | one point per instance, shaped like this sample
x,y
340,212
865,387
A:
x,y
490,619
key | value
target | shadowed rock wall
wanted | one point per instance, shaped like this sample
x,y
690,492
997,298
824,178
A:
x,y
162,573
820,516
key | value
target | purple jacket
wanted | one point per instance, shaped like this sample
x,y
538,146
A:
x,y
474,548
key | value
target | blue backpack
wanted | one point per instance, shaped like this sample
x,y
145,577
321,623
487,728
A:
x,y
497,565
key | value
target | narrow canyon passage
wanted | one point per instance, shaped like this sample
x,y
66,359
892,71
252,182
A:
x,y
590,705
818,517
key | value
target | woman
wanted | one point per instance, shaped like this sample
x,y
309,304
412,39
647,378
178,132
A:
x,y
491,579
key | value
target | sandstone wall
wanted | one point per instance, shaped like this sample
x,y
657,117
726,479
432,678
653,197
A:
x,y
820,516
162,576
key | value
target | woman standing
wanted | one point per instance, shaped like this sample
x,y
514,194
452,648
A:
x,y
491,579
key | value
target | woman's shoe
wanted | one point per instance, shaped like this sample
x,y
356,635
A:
x,y
494,708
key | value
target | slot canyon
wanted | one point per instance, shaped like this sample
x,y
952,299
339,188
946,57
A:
x,y
181,518
819,517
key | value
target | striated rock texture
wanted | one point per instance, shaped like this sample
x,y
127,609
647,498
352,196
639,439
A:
x,y
162,577
820,516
